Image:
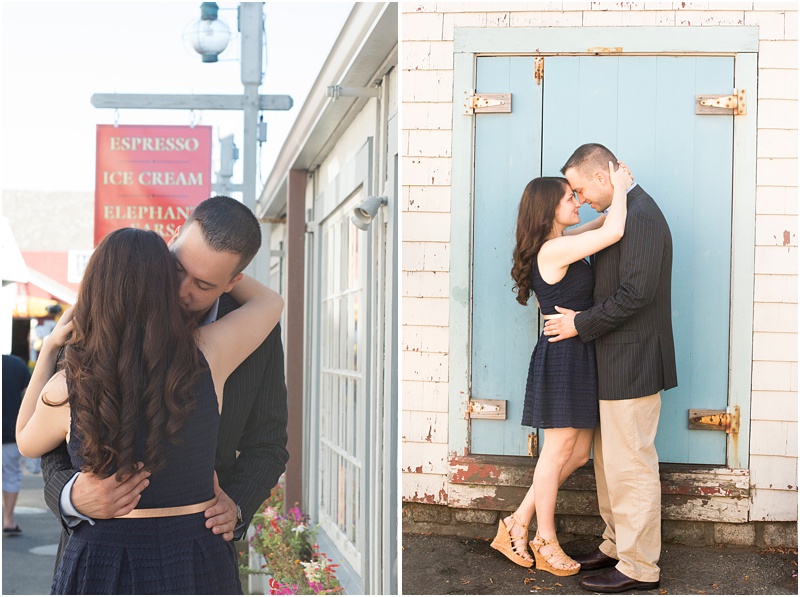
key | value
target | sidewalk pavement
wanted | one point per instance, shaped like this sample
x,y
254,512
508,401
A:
x,y
446,565
30,557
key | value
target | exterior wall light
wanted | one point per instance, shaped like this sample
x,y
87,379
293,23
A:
x,y
363,213
209,36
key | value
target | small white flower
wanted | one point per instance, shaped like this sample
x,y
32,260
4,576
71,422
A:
x,y
300,528
311,570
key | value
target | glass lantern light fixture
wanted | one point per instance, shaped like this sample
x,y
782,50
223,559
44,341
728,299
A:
x,y
208,36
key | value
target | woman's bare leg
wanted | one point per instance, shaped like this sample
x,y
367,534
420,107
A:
x,y
556,453
580,456
577,458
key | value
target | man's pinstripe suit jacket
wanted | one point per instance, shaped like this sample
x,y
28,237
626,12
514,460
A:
x,y
631,321
253,422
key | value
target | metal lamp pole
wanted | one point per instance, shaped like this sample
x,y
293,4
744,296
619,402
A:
x,y
252,27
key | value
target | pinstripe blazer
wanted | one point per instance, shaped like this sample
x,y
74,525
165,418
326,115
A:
x,y
631,321
253,422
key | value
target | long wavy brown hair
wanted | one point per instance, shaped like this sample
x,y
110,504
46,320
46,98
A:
x,y
132,359
537,211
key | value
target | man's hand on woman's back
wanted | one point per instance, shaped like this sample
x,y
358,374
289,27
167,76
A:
x,y
100,498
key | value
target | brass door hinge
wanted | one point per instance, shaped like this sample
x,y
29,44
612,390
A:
x,y
486,409
538,69
716,420
722,104
483,103
533,445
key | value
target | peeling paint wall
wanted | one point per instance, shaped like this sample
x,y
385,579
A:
x,y
427,63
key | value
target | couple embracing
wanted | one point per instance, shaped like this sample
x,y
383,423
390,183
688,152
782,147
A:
x,y
162,425
596,372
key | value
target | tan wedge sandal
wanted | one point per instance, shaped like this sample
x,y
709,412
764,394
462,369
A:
x,y
506,543
557,562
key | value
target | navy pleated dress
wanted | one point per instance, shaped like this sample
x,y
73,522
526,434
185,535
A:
x,y
168,556
562,377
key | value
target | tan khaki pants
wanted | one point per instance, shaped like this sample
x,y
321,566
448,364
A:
x,y
628,485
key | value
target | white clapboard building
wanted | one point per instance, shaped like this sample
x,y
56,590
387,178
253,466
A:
x,y
339,282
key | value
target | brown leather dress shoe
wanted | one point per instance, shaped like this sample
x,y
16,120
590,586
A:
x,y
614,581
595,560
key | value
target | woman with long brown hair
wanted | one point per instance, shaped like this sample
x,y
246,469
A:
x,y
561,392
141,382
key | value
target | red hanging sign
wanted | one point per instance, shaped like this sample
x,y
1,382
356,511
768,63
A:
x,y
150,177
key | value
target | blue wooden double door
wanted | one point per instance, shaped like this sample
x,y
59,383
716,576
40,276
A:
x,y
643,109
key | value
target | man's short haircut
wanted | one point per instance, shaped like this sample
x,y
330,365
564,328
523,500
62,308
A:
x,y
590,156
228,225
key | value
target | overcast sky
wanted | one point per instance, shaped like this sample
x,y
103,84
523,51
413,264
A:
x,y
56,55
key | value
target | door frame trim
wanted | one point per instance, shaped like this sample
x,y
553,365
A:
x,y
469,43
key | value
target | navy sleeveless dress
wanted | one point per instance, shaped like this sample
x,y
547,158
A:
x,y
167,556
562,377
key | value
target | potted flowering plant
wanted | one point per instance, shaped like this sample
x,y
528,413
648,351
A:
x,y
287,546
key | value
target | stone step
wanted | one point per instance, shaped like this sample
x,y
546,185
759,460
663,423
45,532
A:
x,y
701,505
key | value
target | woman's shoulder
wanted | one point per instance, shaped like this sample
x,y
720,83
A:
x,y
55,390
546,249
551,249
